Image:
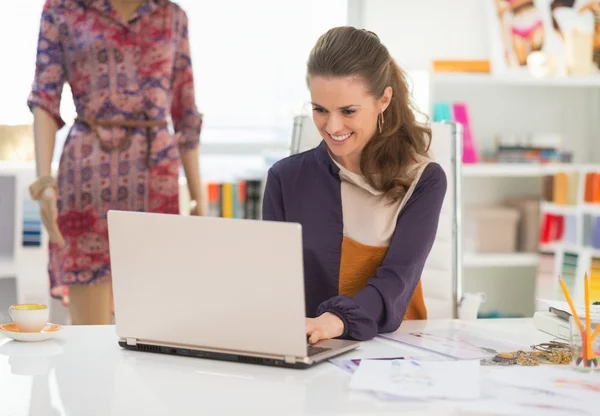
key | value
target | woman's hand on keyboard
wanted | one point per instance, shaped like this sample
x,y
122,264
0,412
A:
x,y
325,326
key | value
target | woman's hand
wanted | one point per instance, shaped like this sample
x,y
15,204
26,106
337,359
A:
x,y
196,209
49,215
325,326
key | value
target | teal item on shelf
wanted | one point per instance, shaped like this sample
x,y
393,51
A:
x,y
442,112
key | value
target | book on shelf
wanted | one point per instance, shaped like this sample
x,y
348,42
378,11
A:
x,y
237,199
570,230
530,148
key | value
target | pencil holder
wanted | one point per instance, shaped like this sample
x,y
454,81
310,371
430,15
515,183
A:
x,y
584,359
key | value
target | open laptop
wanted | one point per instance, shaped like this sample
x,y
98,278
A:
x,y
227,289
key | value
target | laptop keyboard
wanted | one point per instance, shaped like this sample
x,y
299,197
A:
x,y
313,350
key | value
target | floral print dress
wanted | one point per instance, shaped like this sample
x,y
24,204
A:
x,y
135,70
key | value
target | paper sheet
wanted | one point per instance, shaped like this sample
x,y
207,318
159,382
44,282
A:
x,y
555,381
507,399
457,343
350,365
425,380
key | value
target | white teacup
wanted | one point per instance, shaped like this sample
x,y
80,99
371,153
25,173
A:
x,y
29,317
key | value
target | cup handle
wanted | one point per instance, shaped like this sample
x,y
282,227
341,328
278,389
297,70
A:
x,y
10,313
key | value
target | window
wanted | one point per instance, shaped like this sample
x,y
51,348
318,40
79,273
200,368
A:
x,y
249,62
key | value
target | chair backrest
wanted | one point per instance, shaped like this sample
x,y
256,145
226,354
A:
x,y
442,275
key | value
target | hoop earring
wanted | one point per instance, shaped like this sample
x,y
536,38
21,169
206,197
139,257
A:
x,y
380,122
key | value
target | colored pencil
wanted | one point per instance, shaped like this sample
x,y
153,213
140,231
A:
x,y
588,354
571,305
595,333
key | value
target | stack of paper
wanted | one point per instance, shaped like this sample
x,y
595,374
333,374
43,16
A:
x,y
543,391
531,391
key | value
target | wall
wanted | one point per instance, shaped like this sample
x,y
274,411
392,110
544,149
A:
x,y
416,32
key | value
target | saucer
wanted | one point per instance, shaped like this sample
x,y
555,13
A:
x,y
49,331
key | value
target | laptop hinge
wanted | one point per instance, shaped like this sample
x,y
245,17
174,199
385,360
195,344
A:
x,y
131,341
289,360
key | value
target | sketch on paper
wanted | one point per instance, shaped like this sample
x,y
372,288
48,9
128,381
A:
x,y
410,374
456,343
419,379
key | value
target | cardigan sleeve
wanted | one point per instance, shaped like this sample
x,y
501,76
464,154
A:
x,y
380,307
272,204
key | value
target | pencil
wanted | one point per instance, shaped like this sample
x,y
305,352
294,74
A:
x,y
588,344
570,302
595,333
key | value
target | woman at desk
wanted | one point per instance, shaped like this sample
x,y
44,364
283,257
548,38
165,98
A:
x,y
368,197
128,65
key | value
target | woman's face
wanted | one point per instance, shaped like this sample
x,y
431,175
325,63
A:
x,y
345,114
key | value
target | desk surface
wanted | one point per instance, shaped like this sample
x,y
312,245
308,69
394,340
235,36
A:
x,y
84,372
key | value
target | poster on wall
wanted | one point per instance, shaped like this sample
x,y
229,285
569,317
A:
x,y
8,191
554,37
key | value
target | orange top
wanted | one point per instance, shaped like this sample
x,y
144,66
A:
x,y
358,265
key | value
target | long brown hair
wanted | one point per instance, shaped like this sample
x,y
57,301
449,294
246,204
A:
x,y
387,157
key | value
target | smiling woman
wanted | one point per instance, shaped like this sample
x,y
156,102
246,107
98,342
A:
x,y
368,92
368,197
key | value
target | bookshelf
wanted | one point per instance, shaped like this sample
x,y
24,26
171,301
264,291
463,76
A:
x,y
516,170
570,231
234,198
519,105
28,260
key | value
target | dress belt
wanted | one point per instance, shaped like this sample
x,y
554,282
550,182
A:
x,y
148,124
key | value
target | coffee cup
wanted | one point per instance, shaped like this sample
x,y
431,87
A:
x,y
29,317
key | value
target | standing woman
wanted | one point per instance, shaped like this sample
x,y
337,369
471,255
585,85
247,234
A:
x,y
128,65
368,197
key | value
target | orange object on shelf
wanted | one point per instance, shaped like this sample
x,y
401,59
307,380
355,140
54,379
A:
x,y
596,189
590,179
455,65
561,188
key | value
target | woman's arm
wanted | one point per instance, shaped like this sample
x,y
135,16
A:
x,y
187,121
381,306
45,96
44,102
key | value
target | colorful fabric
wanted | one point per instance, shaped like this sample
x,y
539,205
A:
x,y
138,69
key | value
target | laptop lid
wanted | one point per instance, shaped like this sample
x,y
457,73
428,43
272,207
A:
x,y
215,283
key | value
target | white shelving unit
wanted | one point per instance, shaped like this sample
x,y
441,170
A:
x,y
520,79
500,260
508,104
512,170
29,264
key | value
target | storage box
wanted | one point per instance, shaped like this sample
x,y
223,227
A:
x,y
493,228
529,223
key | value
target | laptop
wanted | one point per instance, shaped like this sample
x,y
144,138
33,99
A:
x,y
216,288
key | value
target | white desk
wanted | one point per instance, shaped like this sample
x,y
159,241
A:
x,y
83,372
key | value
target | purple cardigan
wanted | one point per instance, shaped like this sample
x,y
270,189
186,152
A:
x,y
305,188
